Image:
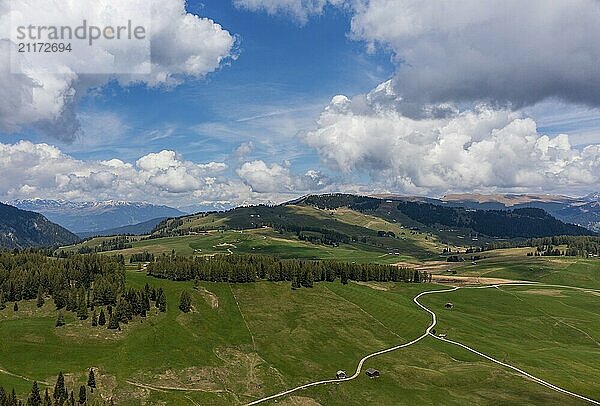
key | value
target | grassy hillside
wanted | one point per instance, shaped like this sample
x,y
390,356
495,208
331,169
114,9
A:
x,y
514,264
25,229
244,341
360,236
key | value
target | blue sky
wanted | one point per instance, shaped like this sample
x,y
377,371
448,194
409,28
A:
x,y
284,74
432,103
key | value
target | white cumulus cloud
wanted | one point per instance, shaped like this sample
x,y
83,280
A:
x,y
183,46
510,52
275,178
42,170
484,149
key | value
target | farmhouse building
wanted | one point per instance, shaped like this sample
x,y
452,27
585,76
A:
x,y
372,373
341,374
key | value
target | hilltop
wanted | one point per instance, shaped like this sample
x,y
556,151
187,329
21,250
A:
x,y
311,218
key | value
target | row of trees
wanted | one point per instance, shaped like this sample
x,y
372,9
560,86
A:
x,y
120,242
60,395
517,223
577,246
69,281
141,257
78,284
250,268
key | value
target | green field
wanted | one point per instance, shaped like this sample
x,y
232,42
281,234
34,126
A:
x,y
406,246
247,341
515,264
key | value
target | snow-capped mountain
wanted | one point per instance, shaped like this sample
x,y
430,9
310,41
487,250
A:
x,y
593,197
81,217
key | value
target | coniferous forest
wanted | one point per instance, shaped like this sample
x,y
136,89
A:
x,y
252,268
77,284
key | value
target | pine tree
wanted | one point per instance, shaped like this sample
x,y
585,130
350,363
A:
x,y
60,320
146,302
12,399
91,379
101,318
82,310
344,278
308,278
82,395
113,323
71,300
72,399
161,300
40,298
185,302
47,399
35,399
60,392
94,319
16,307
295,282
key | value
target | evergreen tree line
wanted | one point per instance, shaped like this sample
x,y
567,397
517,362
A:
x,y
141,257
517,223
60,395
250,268
120,242
69,281
76,284
130,304
579,246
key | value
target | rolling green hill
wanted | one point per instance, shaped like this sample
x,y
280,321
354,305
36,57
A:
x,y
320,225
288,231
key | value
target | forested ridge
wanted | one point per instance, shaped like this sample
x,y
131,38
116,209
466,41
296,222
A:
x,y
24,229
581,246
518,223
318,228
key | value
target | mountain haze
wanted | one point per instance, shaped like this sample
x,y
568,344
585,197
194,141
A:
x,y
90,217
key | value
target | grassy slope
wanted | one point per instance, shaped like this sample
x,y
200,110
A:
x,y
551,333
283,338
515,264
410,246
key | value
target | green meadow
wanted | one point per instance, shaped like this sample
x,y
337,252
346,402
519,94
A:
x,y
246,341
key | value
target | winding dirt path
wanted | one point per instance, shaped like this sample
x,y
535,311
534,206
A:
x,y
366,357
428,333
5,372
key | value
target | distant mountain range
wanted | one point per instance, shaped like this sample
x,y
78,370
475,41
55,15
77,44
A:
x,y
143,228
91,217
25,229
